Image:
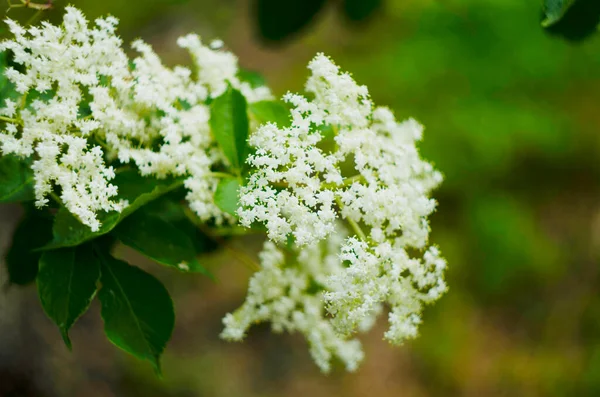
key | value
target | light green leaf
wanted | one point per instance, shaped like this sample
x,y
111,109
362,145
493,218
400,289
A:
x,y
16,180
253,78
229,124
554,10
7,89
271,111
67,284
68,231
3,79
137,310
227,195
22,260
159,240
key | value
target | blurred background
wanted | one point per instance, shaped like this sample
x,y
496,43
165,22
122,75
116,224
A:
x,y
512,116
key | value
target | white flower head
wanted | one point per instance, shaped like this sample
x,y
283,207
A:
x,y
383,274
299,188
87,106
342,158
289,296
58,62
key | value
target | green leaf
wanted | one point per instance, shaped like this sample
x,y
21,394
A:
x,y
33,232
554,10
16,180
67,284
278,20
170,209
574,20
255,79
271,111
159,240
137,310
7,89
360,10
229,124
3,79
227,195
68,231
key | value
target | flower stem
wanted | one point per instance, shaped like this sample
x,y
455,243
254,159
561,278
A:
x,y
9,120
347,182
11,5
100,142
235,231
123,168
24,100
34,17
353,224
37,6
55,197
221,175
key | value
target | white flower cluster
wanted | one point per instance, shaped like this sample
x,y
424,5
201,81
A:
x,y
383,273
84,102
367,171
84,105
289,295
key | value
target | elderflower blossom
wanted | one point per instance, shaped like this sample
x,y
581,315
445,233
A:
x,y
83,105
86,106
344,158
375,275
290,296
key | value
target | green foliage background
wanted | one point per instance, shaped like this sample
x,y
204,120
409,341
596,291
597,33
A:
x,y
512,119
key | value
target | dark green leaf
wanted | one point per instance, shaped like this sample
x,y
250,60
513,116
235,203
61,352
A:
x,y
16,179
157,239
21,260
360,10
173,212
227,195
554,10
69,232
202,243
139,190
271,111
573,20
229,124
67,284
169,209
278,20
137,310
